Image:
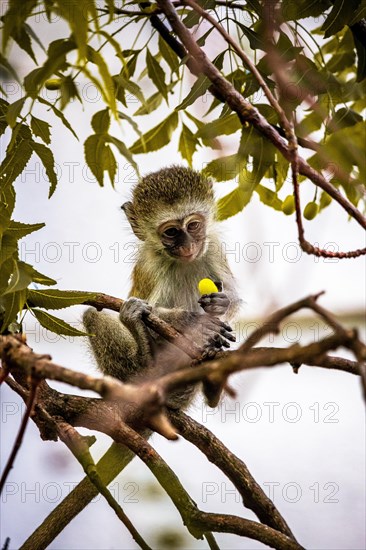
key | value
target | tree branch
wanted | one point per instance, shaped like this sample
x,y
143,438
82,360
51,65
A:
x,y
248,113
144,405
198,522
79,446
252,494
17,444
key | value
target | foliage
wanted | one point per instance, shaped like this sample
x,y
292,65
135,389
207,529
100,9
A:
x,y
325,71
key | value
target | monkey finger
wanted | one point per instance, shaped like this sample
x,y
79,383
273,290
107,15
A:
x,y
216,322
228,335
215,309
222,331
134,308
208,352
226,326
221,341
216,297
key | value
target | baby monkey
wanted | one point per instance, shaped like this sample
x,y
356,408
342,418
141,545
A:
x,y
172,213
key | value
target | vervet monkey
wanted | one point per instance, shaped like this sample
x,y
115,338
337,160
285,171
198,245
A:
x,y
172,213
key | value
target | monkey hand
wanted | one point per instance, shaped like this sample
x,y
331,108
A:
x,y
132,311
210,332
216,303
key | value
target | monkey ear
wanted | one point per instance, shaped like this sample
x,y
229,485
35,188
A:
x,y
129,210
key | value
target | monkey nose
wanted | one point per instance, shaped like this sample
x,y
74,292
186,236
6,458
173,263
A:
x,y
187,250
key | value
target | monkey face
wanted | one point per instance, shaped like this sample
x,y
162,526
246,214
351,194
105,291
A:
x,y
184,239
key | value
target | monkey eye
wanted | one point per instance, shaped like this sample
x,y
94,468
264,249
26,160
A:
x,y
193,226
171,232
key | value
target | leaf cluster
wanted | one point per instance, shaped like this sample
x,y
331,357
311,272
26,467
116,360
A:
x,y
326,76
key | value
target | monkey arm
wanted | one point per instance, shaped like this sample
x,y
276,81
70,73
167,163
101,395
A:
x,y
204,329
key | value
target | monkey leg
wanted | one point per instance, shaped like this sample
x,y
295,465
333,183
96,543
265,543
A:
x,y
120,351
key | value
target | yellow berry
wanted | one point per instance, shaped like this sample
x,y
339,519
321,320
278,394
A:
x,y
311,210
53,83
325,200
206,286
288,205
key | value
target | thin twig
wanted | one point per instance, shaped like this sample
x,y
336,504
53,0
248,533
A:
x,y
252,494
19,438
80,449
197,521
247,113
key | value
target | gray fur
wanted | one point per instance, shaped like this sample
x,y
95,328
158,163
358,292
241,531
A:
x,y
124,347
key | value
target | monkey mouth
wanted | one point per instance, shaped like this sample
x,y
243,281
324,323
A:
x,y
185,254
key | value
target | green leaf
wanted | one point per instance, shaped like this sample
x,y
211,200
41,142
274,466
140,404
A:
x,y
54,324
343,118
110,164
187,144
22,38
59,114
14,163
252,144
286,49
310,123
269,197
344,149
224,168
17,13
20,278
233,203
101,121
280,171
201,41
124,151
151,104
131,121
57,299
5,272
8,67
169,55
20,275
48,161
115,44
94,155
68,91
255,40
124,84
9,249
13,111
56,60
11,304
199,88
156,74
34,36
291,11
75,12
108,89
41,129
20,230
7,203
340,15
157,137
41,279
191,19
222,126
